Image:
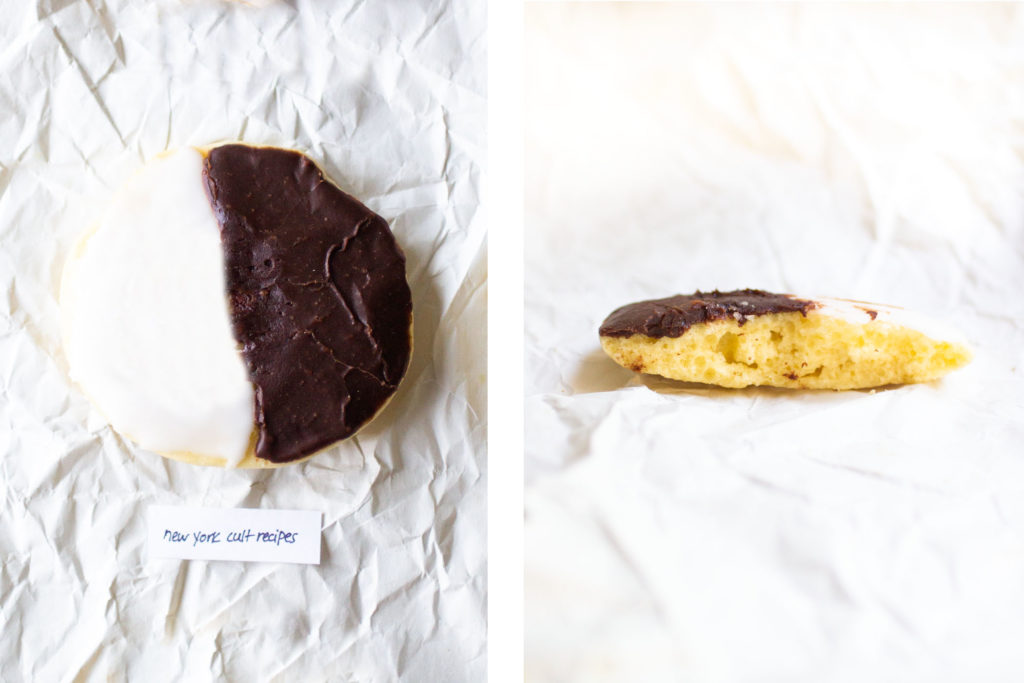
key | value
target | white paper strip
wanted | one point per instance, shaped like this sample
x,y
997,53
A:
x,y
247,535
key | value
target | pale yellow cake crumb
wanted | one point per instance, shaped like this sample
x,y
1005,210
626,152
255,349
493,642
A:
x,y
791,350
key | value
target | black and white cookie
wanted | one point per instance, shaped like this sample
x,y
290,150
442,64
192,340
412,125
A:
x,y
752,337
233,307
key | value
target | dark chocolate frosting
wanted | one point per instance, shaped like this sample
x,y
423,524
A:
x,y
672,316
317,296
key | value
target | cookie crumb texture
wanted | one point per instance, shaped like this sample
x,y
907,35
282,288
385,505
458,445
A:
x,y
794,350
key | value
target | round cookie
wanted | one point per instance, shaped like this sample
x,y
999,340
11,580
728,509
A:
x,y
234,307
752,337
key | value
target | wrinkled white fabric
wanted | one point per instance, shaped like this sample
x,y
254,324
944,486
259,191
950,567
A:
x,y
682,532
389,98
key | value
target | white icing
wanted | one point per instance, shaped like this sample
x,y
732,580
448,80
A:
x,y
146,322
857,312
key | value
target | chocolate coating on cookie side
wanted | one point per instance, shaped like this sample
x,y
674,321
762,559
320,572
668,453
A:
x,y
672,316
317,296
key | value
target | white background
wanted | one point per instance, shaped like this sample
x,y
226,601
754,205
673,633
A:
x,y
676,532
389,98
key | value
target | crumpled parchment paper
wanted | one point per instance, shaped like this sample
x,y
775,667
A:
x,y
681,532
389,98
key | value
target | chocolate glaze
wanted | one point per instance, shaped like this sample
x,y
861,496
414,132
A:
x,y
672,316
317,294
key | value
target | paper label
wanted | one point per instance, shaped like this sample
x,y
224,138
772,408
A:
x,y
240,534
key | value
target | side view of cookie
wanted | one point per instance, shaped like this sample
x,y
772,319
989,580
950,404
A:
x,y
751,337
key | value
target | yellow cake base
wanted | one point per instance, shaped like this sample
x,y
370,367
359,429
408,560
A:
x,y
790,350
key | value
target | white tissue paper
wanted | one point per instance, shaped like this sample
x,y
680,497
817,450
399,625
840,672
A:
x,y
389,98
682,532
